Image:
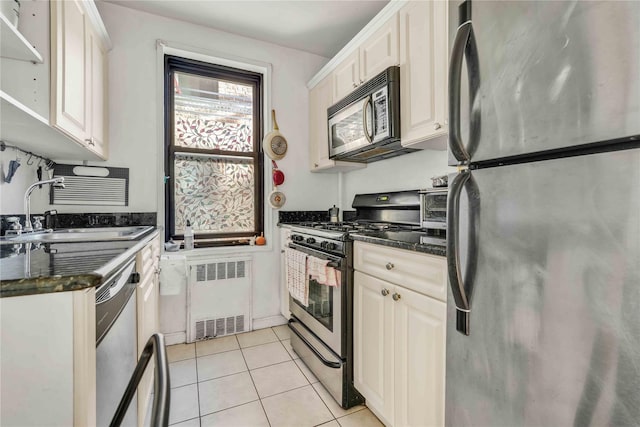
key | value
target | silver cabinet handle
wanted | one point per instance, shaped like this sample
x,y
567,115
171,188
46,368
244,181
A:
x,y
464,39
384,292
395,296
90,141
355,84
389,266
437,125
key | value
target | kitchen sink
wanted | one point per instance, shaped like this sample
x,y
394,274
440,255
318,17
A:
x,y
80,235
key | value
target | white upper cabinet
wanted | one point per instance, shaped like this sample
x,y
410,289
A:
x,y
374,55
411,34
53,92
380,50
423,74
69,60
78,78
346,76
99,102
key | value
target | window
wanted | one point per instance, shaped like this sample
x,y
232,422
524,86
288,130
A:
x,y
213,129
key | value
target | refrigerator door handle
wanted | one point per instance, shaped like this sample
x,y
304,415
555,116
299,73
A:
x,y
456,281
464,45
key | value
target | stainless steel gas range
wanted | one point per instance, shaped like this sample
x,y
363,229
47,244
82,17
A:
x,y
322,332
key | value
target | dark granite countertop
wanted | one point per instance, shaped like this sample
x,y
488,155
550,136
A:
x,y
409,240
28,269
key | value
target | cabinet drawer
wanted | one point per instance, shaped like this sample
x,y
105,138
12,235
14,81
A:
x,y
423,273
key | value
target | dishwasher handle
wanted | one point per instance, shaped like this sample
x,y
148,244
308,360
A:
x,y
114,284
161,386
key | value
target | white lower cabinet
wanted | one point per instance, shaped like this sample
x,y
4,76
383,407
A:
x,y
48,359
399,347
147,299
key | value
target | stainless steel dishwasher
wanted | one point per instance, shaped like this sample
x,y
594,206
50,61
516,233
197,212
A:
x,y
116,343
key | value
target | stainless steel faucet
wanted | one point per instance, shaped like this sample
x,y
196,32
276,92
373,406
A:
x,y
57,182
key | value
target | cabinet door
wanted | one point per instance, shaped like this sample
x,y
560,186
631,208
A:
x,y
346,76
98,90
420,328
69,87
373,343
147,297
320,99
380,50
423,72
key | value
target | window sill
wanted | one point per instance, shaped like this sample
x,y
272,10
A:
x,y
222,250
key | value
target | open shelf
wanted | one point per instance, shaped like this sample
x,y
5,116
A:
x,y
24,128
13,44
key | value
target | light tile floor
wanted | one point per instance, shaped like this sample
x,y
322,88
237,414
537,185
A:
x,y
252,379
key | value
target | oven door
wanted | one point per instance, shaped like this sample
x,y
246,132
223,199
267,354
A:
x,y
323,316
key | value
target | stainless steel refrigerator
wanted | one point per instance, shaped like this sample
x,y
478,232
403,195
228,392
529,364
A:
x,y
543,324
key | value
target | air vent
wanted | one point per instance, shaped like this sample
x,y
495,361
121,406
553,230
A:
x,y
220,271
107,186
212,328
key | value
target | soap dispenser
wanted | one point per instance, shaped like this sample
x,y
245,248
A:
x,y
188,237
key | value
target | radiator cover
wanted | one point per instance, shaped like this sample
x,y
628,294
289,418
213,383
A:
x,y
218,298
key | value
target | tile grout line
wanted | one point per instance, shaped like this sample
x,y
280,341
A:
x,y
195,349
309,383
254,383
323,402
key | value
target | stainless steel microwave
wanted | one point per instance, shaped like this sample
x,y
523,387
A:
x,y
365,125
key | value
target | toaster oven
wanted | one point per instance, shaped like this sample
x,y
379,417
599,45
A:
x,y
433,208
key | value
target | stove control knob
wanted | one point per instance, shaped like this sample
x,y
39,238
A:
x,y
331,246
311,240
324,244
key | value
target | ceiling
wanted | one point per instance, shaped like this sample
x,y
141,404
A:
x,y
321,27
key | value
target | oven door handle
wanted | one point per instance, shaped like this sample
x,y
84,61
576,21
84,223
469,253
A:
x,y
330,364
334,261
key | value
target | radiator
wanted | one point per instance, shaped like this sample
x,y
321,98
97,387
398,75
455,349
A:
x,y
218,298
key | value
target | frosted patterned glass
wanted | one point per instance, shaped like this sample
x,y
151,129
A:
x,y
216,195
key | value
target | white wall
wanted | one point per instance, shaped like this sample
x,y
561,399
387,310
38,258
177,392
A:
x,y
135,131
134,127
12,194
406,172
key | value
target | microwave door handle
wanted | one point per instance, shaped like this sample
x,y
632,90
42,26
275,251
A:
x,y
464,46
365,113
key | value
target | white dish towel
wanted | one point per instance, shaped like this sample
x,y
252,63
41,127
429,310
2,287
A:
x,y
296,277
318,270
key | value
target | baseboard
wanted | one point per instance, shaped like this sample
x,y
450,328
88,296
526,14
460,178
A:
x,y
267,322
175,338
